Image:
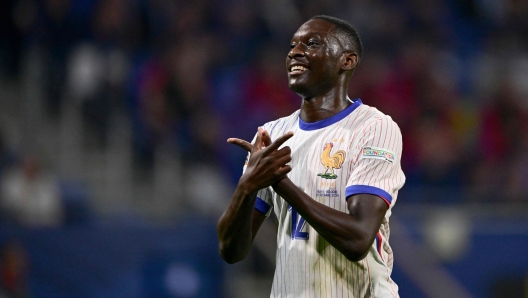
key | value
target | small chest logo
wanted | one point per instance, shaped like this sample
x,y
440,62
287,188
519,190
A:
x,y
331,162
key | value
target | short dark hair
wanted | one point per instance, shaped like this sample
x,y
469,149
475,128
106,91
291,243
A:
x,y
343,28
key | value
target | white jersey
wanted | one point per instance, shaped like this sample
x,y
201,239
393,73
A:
x,y
355,151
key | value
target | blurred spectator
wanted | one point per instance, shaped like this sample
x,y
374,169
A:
x,y
14,269
502,146
153,116
504,122
10,39
77,209
266,94
30,196
5,154
55,32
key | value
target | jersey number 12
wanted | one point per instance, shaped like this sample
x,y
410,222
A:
x,y
297,225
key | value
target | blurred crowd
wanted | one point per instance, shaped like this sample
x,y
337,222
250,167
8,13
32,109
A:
x,y
190,74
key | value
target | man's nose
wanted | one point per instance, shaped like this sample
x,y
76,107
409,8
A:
x,y
297,50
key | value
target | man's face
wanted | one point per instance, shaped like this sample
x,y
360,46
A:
x,y
312,62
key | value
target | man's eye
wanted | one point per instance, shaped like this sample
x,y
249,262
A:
x,y
311,43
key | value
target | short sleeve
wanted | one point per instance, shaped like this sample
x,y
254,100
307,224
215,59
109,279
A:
x,y
377,169
264,202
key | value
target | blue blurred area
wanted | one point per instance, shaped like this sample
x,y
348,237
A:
x,y
115,260
490,264
109,260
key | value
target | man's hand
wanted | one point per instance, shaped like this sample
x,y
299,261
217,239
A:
x,y
265,139
266,163
240,222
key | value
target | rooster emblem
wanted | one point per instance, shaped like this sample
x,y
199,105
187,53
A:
x,y
331,162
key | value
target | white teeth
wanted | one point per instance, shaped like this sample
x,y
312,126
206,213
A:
x,y
298,67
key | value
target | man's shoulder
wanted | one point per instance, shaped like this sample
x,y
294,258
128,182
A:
x,y
283,122
372,116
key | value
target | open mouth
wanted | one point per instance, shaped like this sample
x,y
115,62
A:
x,y
296,69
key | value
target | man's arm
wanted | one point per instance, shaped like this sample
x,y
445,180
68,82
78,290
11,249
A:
x,y
240,222
238,226
352,234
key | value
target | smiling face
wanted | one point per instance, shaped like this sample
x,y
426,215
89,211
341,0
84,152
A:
x,y
313,63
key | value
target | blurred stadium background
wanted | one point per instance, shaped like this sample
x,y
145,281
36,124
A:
x,y
114,114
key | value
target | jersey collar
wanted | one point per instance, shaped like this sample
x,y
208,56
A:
x,y
329,121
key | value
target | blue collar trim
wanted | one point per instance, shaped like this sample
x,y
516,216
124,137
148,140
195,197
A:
x,y
329,121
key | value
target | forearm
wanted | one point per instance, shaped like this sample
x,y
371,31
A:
x,y
346,232
240,222
234,227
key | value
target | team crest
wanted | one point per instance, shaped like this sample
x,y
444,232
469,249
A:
x,y
331,162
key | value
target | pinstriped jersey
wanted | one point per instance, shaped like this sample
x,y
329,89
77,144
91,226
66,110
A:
x,y
355,151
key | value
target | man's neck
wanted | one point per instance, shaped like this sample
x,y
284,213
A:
x,y
319,108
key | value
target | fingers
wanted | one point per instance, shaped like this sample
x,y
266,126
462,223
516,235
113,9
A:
x,y
266,138
263,140
277,160
284,170
241,143
258,142
278,142
283,160
286,150
266,166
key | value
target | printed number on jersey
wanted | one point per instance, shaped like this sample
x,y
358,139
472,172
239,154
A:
x,y
298,224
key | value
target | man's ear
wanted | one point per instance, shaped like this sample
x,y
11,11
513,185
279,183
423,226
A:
x,y
349,60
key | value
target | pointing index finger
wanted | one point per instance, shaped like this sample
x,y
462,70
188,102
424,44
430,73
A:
x,y
241,143
279,141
